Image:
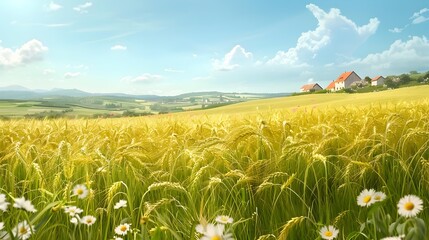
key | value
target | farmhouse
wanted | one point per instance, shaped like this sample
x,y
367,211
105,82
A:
x,y
311,87
345,80
331,86
378,81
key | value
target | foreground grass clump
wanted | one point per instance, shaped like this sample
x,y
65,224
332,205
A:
x,y
279,175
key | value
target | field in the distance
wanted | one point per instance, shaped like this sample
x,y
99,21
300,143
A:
x,y
326,100
279,173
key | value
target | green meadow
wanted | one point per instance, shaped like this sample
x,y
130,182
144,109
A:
x,y
281,168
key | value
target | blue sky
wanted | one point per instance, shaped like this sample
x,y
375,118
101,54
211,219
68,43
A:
x,y
168,47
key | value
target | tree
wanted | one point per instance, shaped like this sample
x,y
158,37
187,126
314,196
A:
x,y
368,80
390,83
405,78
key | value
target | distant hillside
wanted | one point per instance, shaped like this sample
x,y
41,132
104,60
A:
x,y
323,101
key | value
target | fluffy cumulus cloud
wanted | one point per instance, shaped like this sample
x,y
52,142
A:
x,y
402,56
118,48
69,75
54,6
335,35
420,16
83,8
144,78
396,30
233,59
29,52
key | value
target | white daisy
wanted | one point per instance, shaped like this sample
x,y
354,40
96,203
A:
x,y
122,229
21,203
328,232
120,204
224,219
72,210
74,221
80,191
200,229
392,238
3,203
23,230
410,206
366,198
379,196
88,220
216,232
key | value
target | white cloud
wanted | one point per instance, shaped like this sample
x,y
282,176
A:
x,y
29,52
334,35
144,78
83,7
54,6
396,30
310,80
118,48
400,57
418,16
232,59
48,71
69,75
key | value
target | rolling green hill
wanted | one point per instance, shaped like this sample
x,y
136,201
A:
x,y
320,101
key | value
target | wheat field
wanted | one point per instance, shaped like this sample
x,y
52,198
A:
x,y
279,174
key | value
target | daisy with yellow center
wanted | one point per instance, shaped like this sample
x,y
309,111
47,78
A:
x,y
122,229
80,191
72,210
88,220
23,230
328,232
410,206
379,196
224,219
366,198
216,232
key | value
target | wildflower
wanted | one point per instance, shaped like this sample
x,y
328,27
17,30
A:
x,y
120,204
366,198
1,225
88,220
72,210
118,238
410,206
74,221
3,203
122,229
216,232
24,204
329,232
224,219
200,228
80,191
393,238
23,230
379,196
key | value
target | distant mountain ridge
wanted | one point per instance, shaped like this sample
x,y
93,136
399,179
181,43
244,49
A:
x,y
18,92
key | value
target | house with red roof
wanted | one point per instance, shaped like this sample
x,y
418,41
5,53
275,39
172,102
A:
x,y
331,86
345,80
378,81
311,87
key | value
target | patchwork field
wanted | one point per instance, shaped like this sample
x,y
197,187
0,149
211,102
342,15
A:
x,y
279,171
